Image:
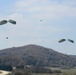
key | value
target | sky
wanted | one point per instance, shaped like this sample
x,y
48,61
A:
x,y
58,22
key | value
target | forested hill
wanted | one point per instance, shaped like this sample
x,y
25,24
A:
x,y
35,55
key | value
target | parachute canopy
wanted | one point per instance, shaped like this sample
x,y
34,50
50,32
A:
x,y
70,40
12,21
3,22
40,20
62,40
6,37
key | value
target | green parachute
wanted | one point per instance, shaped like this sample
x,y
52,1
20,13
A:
x,y
12,21
62,40
70,40
5,21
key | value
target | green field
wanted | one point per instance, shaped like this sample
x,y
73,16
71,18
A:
x,y
71,71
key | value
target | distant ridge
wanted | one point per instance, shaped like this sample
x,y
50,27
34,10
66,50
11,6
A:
x,y
35,55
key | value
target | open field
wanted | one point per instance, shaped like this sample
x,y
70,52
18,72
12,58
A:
x,y
71,71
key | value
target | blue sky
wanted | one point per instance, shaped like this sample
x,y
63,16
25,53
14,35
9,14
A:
x,y
58,21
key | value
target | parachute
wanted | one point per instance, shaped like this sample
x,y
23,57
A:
x,y
62,40
70,40
6,37
40,20
3,22
12,21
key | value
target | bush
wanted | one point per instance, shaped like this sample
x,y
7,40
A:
x,y
20,72
56,71
41,70
6,67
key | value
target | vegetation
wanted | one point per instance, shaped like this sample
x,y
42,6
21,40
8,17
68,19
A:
x,y
36,56
37,60
27,72
70,71
20,72
6,67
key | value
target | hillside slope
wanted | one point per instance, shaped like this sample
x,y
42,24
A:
x,y
35,55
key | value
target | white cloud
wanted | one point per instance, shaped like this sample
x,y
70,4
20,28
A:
x,y
46,9
29,29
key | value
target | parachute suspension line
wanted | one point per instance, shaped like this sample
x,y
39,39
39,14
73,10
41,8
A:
x,y
3,22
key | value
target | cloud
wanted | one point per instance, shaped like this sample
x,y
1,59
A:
x,y
47,8
29,28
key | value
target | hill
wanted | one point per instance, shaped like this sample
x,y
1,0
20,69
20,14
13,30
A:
x,y
35,55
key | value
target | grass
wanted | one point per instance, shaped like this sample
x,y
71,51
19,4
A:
x,y
70,71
